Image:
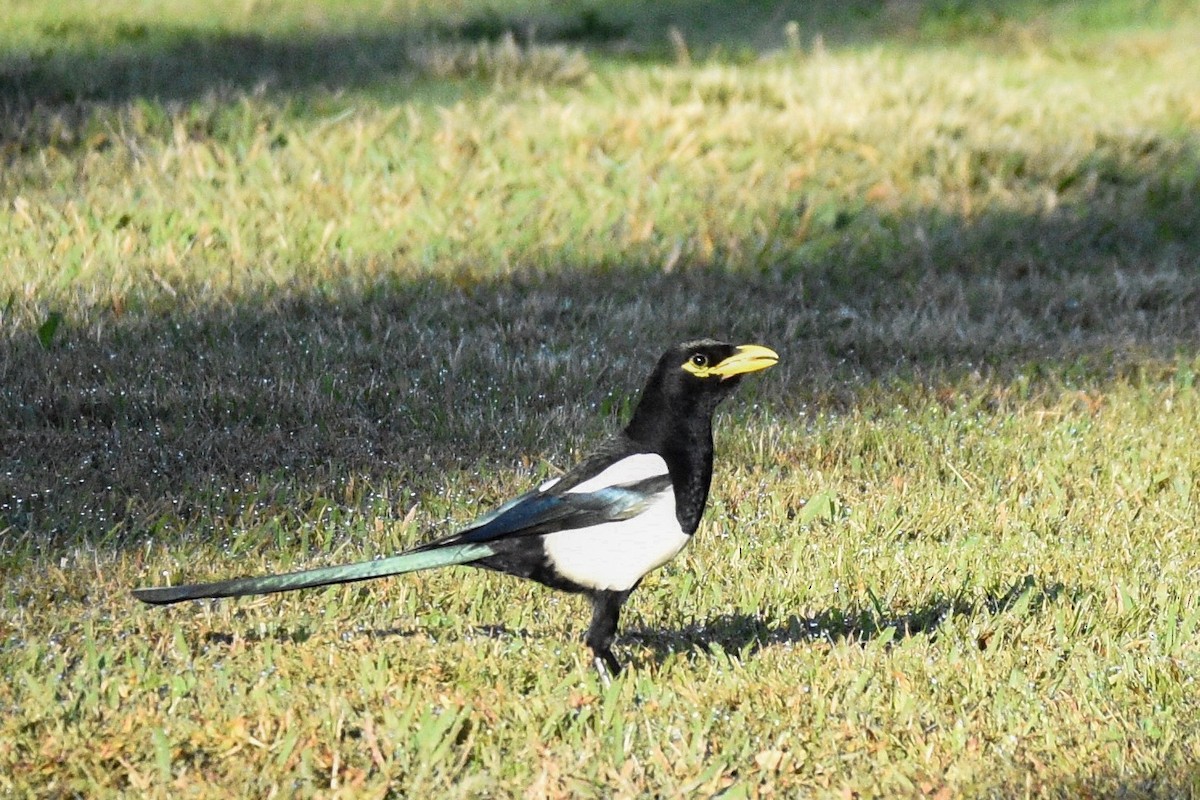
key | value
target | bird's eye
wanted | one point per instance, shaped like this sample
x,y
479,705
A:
x,y
700,360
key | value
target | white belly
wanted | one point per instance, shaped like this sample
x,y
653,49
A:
x,y
616,555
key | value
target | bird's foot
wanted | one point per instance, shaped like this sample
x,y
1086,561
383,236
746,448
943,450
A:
x,y
607,666
602,671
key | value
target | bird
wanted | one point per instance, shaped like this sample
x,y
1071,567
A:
x,y
598,529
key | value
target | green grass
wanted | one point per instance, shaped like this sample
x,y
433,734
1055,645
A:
x,y
284,284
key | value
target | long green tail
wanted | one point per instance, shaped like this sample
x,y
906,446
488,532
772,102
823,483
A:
x,y
323,576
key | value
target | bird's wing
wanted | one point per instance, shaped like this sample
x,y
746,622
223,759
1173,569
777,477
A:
x,y
616,483
538,512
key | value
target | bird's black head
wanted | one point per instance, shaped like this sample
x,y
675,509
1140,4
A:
x,y
688,383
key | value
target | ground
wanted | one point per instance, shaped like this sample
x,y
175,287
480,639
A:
x,y
289,284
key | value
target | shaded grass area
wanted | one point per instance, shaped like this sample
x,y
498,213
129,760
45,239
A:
x,y
65,68
141,413
144,425
952,538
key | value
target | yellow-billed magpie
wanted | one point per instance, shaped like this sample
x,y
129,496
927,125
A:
x,y
598,529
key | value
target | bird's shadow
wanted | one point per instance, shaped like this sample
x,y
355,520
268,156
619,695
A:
x,y
481,631
744,634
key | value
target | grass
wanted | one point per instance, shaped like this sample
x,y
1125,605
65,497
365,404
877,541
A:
x,y
284,286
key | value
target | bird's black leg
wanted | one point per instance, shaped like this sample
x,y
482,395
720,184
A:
x,y
606,610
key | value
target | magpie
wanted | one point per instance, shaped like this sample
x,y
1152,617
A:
x,y
598,529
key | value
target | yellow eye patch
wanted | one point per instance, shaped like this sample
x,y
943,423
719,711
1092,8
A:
x,y
698,365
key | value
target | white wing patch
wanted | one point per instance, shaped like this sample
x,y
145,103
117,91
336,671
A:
x,y
615,555
630,469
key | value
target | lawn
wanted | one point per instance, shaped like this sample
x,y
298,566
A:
x,y
292,284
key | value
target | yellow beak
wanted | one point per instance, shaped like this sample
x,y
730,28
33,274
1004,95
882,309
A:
x,y
748,358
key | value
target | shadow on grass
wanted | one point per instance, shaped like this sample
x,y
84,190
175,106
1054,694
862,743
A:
x,y
300,633
1167,782
73,67
743,635
292,411
192,417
